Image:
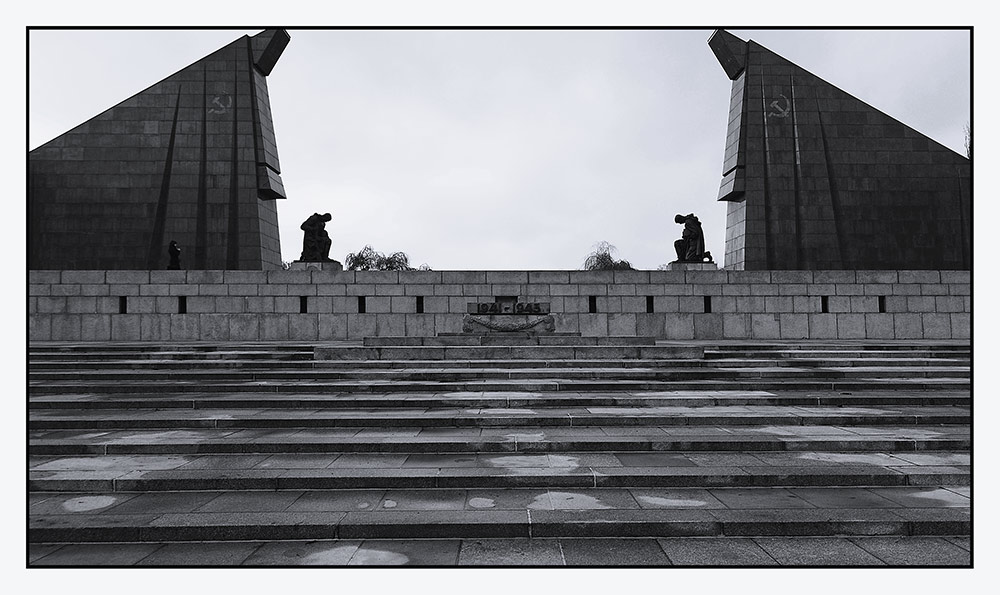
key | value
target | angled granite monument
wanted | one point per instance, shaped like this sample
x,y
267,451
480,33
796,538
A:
x,y
191,159
817,179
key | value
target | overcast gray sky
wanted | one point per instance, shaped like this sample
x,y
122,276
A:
x,y
504,149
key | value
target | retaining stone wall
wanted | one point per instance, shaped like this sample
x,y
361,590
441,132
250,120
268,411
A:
x,y
267,305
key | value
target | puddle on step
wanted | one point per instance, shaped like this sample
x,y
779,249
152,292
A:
x,y
525,437
939,495
335,555
88,503
380,557
843,457
564,461
482,502
521,463
671,502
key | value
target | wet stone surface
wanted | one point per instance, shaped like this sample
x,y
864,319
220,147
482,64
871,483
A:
x,y
642,462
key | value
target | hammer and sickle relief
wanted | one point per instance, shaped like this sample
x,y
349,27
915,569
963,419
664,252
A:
x,y
221,103
782,112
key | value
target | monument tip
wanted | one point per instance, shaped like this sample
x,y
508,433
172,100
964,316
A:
x,y
730,51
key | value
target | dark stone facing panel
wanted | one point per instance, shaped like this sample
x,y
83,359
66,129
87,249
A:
x,y
819,180
178,161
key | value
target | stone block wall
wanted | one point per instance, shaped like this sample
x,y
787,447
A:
x,y
324,305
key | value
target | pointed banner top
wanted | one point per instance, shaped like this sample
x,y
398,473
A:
x,y
730,51
267,47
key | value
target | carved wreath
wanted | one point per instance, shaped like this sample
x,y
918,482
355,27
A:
x,y
468,320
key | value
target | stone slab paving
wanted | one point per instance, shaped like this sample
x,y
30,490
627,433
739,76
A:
x,y
200,554
893,551
492,439
398,553
389,514
715,552
412,470
101,419
511,552
810,551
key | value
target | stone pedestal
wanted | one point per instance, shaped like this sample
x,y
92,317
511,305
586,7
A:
x,y
333,265
692,266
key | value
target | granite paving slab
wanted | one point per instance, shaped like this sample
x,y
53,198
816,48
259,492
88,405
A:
x,y
933,476
613,552
809,522
799,459
230,461
337,500
501,499
963,542
97,554
410,524
251,501
654,459
297,461
441,460
843,497
40,550
423,552
369,461
113,463
164,502
78,503
423,500
242,526
200,554
510,552
695,498
303,553
757,498
88,527
936,458
915,551
715,551
589,522
812,551
936,521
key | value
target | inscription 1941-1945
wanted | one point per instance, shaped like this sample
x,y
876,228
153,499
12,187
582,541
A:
x,y
509,307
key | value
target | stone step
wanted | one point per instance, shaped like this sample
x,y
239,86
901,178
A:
x,y
809,551
458,513
445,374
860,345
306,357
720,398
105,419
716,345
512,352
205,348
494,524
505,339
805,383
500,439
51,364
499,477
225,443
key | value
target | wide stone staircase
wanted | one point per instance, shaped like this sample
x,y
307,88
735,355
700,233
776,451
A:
x,y
500,450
